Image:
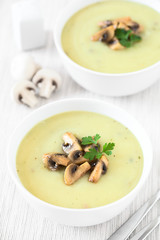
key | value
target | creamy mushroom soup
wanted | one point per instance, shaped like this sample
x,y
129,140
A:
x,y
97,56
124,169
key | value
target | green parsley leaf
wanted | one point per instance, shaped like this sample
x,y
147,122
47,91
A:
x,y
99,155
107,148
135,38
90,140
125,43
91,154
96,153
96,138
87,140
126,37
108,152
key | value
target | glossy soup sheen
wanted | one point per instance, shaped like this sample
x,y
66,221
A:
x,y
97,56
125,164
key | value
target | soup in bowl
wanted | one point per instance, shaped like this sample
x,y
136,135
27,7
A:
x,y
110,47
58,190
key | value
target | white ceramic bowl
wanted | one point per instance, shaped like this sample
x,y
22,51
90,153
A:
x,y
79,217
104,83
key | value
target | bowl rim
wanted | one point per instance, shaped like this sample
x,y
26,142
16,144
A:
x,y
83,210
90,71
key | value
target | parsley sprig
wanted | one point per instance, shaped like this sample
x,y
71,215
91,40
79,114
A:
x,y
96,152
126,37
90,140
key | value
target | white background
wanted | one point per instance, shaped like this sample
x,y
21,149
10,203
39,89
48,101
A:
x,y
18,221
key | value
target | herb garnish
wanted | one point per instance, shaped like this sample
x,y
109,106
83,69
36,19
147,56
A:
x,y
96,152
126,37
90,140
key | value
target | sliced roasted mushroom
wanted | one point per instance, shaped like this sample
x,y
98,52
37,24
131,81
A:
x,y
105,34
49,163
105,164
89,146
104,24
134,26
99,169
124,19
77,157
47,81
25,92
73,172
96,173
53,160
122,26
71,143
23,67
107,23
115,44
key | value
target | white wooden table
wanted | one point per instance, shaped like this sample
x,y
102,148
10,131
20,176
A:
x,y
18,221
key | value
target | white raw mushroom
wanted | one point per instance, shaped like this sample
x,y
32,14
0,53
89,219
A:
x,y
47,81
25,92
23,67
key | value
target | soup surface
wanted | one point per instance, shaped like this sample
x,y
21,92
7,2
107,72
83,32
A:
x,y
123,174
97,56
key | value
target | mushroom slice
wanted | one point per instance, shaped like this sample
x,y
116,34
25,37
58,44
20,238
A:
x,y
89,146
25,92
124,19
104,24
47,81
23,67
50,158
96,173
135,27
71,143
115,44
106,34
99,169
49,163
77,157
73,172
105,164
122,26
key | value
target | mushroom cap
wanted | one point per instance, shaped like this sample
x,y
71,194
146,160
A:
x,y
24,92
23,67
73,172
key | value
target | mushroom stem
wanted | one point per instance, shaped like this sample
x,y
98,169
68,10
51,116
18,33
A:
x,y
25,92
46,89
29,99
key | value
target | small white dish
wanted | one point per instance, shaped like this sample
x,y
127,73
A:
x,y
104,83
79,217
